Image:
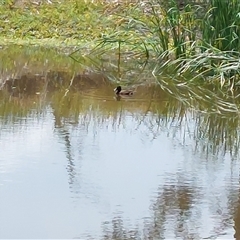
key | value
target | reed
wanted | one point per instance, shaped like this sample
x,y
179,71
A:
x,y
210,65
152,28
195,41
220,27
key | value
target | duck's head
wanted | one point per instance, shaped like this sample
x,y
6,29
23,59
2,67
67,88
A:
x,y
118,89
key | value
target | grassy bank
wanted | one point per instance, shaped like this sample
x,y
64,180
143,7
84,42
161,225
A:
x,y
198,40
66,23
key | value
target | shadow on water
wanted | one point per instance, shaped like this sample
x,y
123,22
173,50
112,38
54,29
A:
x,y
80,96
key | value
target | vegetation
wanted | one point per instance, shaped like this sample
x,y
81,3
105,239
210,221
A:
x,y
69,23
197,39
187,43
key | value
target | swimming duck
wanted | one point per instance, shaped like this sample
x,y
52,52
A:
x,y
118,90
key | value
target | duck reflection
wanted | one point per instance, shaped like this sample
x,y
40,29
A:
x,y
117,98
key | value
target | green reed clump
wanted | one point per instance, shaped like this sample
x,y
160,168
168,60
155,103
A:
x,y
214,50
153,27
220,27
179,25
193,40
212,64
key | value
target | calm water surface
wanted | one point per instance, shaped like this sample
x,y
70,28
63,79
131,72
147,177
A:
x,y
77,163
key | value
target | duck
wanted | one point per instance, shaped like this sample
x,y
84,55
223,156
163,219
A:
x,y
118,90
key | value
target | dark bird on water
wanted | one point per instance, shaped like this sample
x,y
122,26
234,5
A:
x,y
118,90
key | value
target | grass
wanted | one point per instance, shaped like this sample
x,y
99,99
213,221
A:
x,y
213,65
196,42
67,23
221,25
199,40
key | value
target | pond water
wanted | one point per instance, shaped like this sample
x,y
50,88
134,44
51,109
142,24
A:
x,y
76,162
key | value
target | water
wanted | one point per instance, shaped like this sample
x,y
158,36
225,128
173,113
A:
x,y
77,163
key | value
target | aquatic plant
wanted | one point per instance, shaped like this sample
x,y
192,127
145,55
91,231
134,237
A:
x,y
212,64
220,26
185,40
197,38
151,27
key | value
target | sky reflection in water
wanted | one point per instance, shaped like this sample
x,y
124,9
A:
x,y
79,180
76,163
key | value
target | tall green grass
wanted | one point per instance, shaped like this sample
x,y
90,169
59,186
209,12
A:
x,y
221,25
153,28
214,50
210,65
197,40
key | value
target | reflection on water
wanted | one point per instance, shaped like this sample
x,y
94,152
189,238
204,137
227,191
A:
x,y
77,163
